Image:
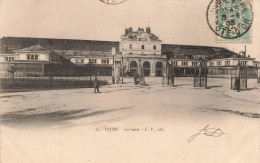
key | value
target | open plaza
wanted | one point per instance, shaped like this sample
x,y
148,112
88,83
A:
x,y
132,119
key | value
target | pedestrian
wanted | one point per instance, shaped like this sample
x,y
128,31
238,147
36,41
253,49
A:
x,y
135,79
96,86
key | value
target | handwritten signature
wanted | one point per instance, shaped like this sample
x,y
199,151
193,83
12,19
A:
x,y
208,132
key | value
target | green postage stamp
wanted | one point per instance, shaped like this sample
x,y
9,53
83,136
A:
x,y
231,20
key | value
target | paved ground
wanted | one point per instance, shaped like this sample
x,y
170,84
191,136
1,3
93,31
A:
x,y
127,123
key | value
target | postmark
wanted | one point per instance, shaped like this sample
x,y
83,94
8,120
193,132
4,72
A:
x,y
230,20
112,2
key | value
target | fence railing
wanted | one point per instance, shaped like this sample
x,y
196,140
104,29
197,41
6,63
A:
x,y
7,82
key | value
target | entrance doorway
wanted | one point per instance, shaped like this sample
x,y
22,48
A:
x,y
133,67
159,69
147,67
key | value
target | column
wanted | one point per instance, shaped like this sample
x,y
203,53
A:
x,y
152,69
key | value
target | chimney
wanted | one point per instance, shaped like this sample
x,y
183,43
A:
x,y
126,31
5,48
140,29
130,30
148,30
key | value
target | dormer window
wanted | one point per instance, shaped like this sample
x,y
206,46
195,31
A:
x,y
33,57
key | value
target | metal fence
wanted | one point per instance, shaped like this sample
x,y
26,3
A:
x,y
7,82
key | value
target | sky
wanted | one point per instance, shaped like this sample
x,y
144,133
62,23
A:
x,y
174,21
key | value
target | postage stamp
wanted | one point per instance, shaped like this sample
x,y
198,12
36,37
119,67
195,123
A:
x,y
112,2
230,20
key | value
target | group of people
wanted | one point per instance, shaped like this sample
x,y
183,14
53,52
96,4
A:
x,y
96,84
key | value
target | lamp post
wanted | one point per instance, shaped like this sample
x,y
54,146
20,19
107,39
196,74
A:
x,y
167,74
122,70
139,72
200,71
113,53
238,81
206,76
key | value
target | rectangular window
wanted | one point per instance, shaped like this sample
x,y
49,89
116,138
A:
x,y
175,63
243,63
6,58
32,57
211,63
92,61
130,46
142,46
218,63
105,61
154,47
184,63
227,63
194,63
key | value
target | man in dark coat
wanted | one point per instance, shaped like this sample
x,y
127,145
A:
x,y
96,86
135,79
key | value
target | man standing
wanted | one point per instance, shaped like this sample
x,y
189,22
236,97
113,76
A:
x,y
96,86
135,79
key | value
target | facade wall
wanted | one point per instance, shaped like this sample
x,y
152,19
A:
x,y
137,47
86,60
153,68
232,62
23,56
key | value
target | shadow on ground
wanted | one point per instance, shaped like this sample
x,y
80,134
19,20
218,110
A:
x,y
214,86
248,89
25,118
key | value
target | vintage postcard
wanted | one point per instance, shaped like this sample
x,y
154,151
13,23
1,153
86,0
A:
x,y
129,81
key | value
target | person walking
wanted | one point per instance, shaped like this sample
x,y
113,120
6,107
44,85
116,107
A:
x,y
96,86
135,79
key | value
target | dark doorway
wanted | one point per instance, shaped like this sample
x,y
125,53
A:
x,y
159,69
147,68
133,67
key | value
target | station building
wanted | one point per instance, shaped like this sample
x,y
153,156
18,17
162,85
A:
x,y
136,49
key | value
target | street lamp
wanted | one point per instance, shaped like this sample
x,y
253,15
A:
x,y
166,69
139,73
122,70
113,53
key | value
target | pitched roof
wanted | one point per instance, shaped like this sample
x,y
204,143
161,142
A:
x,y
171,50
15,43
34,48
